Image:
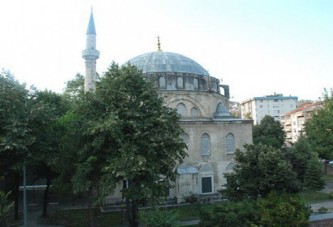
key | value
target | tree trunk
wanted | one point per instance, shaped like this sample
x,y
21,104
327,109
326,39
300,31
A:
x,y
46,195
16,195
132,210
91,210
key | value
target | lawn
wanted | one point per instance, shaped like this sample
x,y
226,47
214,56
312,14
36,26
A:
x,y
313,197
80,217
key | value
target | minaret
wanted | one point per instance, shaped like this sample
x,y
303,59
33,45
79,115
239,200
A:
x,y
90,55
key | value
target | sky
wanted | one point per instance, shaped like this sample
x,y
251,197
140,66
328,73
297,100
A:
x,y
257,47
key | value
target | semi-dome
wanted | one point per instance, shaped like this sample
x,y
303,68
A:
x,y
162,62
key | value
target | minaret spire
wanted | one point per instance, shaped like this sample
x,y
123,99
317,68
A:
x,y
158,44
90,55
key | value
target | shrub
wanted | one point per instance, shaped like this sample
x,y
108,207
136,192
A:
x,y
156,217
191,198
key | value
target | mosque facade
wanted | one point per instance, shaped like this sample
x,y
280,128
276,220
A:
x,y
212,134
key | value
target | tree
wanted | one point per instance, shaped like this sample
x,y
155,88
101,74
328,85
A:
x,y
230,214
129,136
269,132
278,210
319,129
5,208
305,163
259,170
46,109
15,133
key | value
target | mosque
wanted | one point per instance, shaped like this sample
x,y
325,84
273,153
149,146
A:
x,y
212,134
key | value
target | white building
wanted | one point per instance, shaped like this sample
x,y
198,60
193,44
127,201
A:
x,y
273,105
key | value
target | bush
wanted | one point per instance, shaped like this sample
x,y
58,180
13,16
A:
x,y
191,198
230,214
330,195
322,210
156,217
5,207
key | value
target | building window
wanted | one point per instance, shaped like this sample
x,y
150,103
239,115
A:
x,y
206,185
195,112
162,82
181,109
230,142
180,82
186,138
205,144
195,83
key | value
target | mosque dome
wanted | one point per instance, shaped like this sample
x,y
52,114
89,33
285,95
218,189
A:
x,y
167,62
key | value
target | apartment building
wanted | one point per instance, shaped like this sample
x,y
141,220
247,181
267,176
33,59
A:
x,y
273,105
293,122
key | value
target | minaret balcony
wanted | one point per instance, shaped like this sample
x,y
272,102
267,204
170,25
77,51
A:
x,y
90,53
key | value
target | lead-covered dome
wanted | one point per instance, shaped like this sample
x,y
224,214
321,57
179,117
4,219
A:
x,y
162,62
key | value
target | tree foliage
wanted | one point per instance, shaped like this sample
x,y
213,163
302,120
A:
x,y
130,136
15,133
319,129
5,207
258,171
276,210
279,210
269,132
306,164
158,217
229,214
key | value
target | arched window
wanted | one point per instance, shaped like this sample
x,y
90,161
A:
x,y
230,143
195,112
186,138
181,109
180,82
205,144
162,82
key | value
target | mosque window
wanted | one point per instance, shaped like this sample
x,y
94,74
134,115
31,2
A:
x,y
195,112
230,142
180,82
214,86
181,109
195,83
205,144
186,138
162,82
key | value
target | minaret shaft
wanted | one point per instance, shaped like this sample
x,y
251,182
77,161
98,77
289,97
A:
x,y
90,55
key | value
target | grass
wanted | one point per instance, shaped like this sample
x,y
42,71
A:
x,y
313,197
80,217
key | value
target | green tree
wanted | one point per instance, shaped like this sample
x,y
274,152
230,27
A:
x,y
279,210
229,214
269,132
161,218
313,175
46,109
5,208
259,170
15,133
305,163
129,136
319,129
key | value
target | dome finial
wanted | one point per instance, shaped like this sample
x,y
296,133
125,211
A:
x,y
158,44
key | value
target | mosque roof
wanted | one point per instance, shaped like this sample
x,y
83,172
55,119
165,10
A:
x,y
161,61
